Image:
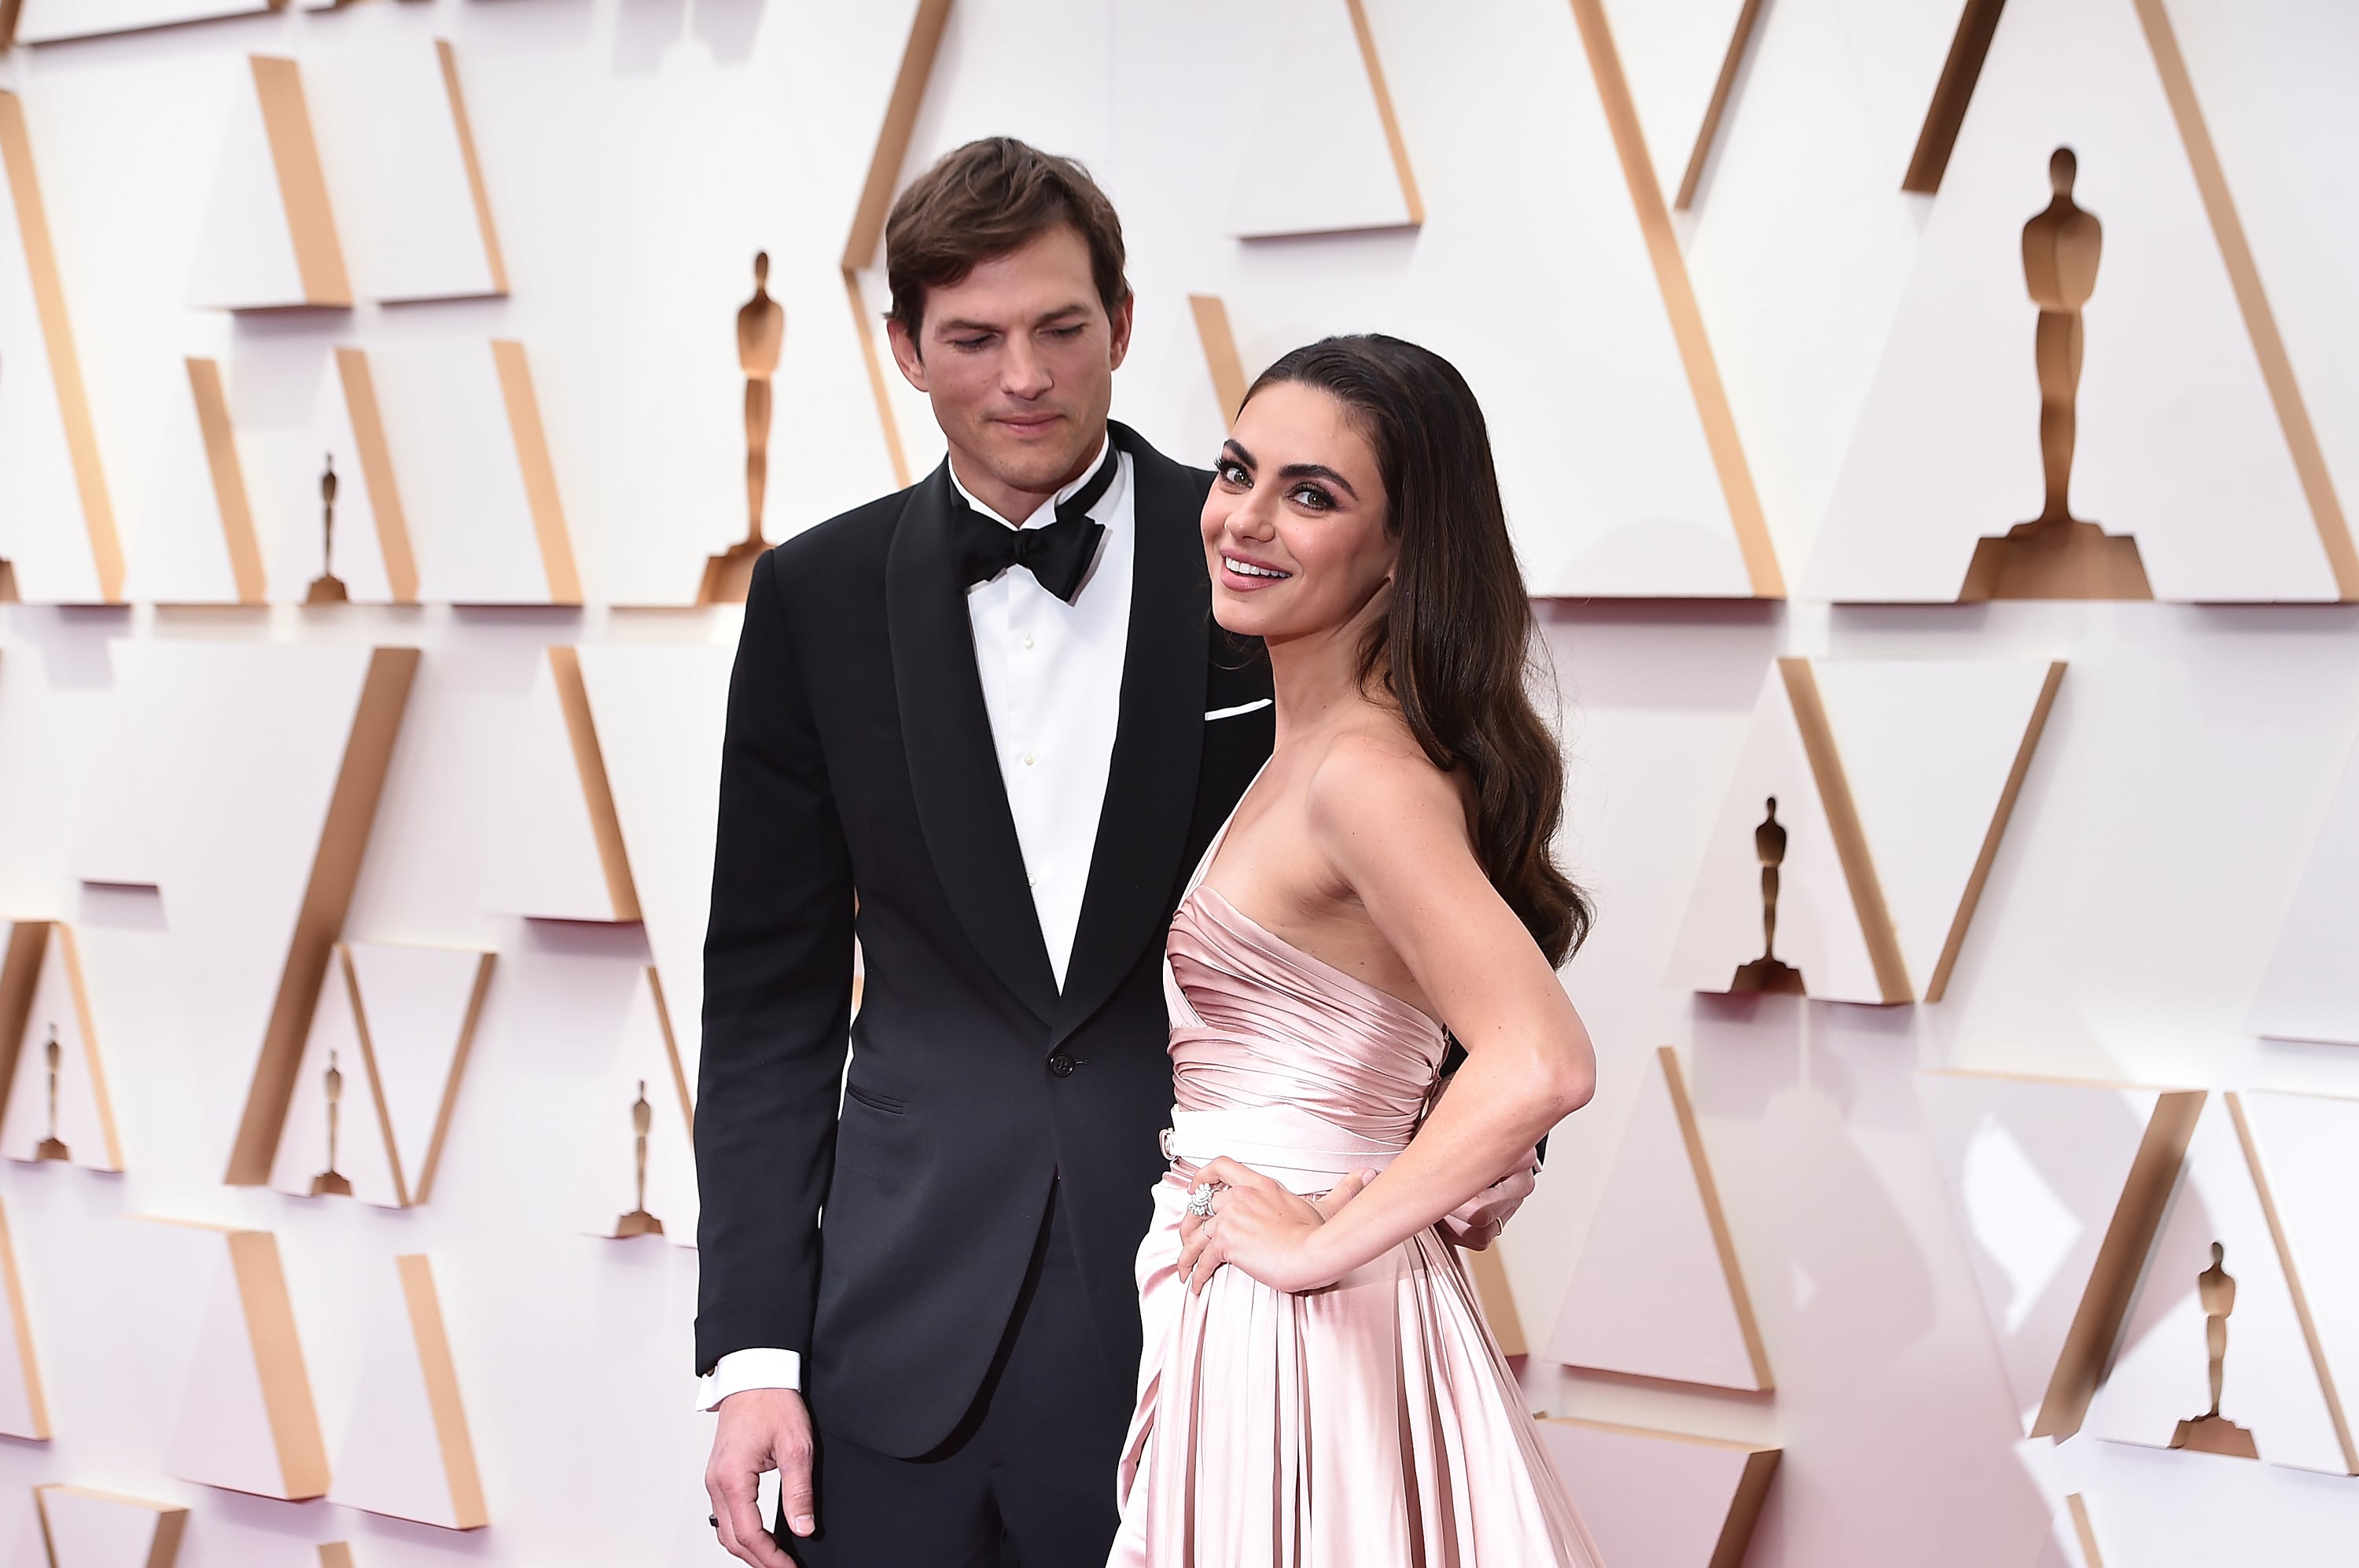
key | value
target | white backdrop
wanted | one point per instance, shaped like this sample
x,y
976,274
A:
x,y
636,153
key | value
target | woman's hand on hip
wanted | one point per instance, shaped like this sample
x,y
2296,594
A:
x,y
1260,1227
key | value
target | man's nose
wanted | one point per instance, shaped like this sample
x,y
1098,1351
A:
x,y
1023,373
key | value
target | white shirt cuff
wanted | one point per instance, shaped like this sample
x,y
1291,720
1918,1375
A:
x,y
743,1369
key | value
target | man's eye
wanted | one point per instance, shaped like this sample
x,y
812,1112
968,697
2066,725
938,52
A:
x,y
1071,331
970,344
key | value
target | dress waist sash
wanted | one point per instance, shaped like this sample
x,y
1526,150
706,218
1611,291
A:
x,y
1302,1152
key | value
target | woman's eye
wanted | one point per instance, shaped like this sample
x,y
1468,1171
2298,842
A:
x,y
1232,473
1311,498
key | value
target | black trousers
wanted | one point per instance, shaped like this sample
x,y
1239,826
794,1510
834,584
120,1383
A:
x,y
1027,1478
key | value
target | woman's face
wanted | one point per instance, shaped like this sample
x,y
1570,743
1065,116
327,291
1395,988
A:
x,y
1294,529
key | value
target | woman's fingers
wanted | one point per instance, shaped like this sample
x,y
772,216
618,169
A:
x,y
1226,1172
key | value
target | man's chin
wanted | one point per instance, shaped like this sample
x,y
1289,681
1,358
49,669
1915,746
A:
x,y
1037,462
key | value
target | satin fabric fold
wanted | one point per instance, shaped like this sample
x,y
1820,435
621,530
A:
x,y
1369,1423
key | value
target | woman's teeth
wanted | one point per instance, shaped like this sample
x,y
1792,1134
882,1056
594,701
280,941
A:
x,y
1243,570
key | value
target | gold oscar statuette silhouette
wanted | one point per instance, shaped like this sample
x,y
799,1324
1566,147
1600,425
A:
x,y
329,1182
52,1147
2055,555
1765,973
638,1222
2212,1433
761,334
327,588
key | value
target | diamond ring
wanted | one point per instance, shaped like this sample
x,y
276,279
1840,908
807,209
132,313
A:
x,y
1199,1201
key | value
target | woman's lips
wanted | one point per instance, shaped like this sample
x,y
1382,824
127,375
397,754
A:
x,y
1244,575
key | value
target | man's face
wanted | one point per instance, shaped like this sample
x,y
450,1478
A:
x,y
1018,359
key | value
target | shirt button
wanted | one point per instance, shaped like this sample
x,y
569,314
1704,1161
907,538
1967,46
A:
x,y
1027,759
1027,640
1062,1065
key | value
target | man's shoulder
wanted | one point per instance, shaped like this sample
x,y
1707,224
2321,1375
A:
x,y
1159,470
838,550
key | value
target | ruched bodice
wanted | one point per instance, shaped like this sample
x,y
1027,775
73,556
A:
x,y
1292,1048
1368,1423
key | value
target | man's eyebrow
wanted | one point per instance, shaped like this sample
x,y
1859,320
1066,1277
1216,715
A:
x,y
961,324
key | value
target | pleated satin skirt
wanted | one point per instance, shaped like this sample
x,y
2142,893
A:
x,y
1371,1423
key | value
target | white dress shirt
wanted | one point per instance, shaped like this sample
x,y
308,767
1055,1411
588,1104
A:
x,y
1053,686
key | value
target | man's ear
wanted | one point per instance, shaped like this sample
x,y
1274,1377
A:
x,y
1119,345
905,352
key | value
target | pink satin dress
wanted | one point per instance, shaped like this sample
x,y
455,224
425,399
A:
x,y
1371,1423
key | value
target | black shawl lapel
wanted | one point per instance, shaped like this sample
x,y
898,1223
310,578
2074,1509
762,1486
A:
x,y
1151,781
954,767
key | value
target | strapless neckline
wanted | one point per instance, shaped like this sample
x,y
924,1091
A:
x,y
1408,1012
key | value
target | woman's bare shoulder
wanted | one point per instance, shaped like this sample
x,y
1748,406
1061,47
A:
x,y
1374,783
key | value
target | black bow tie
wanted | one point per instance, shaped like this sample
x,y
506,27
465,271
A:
x,y
1058,555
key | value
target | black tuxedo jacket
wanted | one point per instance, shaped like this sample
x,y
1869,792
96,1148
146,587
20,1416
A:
x,y
860,793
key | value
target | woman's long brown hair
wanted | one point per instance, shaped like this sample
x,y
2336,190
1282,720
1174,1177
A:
x,y
1455,651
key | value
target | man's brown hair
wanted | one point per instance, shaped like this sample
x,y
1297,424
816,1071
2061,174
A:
x,y
985,200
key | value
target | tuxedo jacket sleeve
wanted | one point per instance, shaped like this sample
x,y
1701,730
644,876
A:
x,y
777,1000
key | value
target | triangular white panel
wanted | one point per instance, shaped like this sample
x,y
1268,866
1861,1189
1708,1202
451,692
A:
x,y
90,1528
2179,444
2311,989
2160,1371
2039,1168
1654,1291
660,713
236,749
25,1549
1319,162
183,551
362,1154
256,219
422,1003
401,149
545,860
1818,924
1930,748
609,1181
474,523
397,1021
85,1110
408,1453
48,21
43,534
1930,753
1660,1500
1672,52
1896,52
336,441
24,1408
2308,1150
245,1421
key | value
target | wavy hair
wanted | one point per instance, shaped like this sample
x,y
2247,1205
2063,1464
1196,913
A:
x,y
1455,651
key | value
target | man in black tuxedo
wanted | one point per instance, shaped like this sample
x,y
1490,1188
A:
x,y
988,725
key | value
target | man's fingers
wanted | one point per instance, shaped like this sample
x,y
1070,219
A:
x,y
1342,1193
736,1504
796,1513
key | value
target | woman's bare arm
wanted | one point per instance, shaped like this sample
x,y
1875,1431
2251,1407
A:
x,y
1393,829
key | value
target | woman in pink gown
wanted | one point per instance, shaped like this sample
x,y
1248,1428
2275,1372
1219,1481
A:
x,y
1319,1388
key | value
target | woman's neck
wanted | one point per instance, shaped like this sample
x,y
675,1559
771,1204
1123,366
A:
x,y
1316,678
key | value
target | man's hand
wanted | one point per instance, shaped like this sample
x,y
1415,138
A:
x,y
761,1429
1476,1224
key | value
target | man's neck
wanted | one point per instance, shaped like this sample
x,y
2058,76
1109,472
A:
x,y
1009,502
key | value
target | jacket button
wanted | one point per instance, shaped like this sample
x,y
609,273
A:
x,y
1062,1065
